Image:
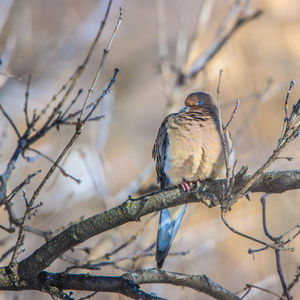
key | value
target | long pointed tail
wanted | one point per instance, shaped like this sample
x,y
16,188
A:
x,y
169,222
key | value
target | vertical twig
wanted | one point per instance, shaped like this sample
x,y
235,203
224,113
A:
x,y
280,274
277,240
286,108
26,101
221,130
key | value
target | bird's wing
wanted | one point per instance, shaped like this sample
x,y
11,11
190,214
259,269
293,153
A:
x,y
159,151
170,218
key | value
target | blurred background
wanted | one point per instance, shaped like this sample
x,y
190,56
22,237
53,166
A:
x,y
112,158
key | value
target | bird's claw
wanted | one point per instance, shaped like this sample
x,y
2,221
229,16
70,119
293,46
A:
x,y
186,186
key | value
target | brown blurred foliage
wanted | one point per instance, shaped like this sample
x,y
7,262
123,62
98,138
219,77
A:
x,y
49,39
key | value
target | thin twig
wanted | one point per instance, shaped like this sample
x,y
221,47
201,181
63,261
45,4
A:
x,y
277,240
295,280
78,131
8,229
11,122
286,110
105,53
131,239
291,131
222,132
21,185
263,203
63,171
252,286
221,38
232,115
26,101
6,253
105,92
71,104
280,274
20,239
70,84
243,234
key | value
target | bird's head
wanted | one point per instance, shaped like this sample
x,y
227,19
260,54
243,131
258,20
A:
x,y
199,99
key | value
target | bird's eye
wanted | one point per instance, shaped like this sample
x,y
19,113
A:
x,y
200,102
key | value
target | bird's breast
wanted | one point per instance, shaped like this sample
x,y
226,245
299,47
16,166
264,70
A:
x,y
194,150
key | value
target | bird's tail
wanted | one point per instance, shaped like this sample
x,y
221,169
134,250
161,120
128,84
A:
x,y
169,222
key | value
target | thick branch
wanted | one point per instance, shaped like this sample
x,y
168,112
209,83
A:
x,y
200,283
127,284
133,209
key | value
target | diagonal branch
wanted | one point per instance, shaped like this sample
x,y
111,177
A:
x,y
134,209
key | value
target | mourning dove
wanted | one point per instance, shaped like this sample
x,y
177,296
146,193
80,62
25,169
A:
x,y
188,149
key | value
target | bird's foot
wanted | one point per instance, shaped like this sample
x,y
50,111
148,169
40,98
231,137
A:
x,y
187,186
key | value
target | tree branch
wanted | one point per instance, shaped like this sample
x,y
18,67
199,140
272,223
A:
x,y
127,284
132,209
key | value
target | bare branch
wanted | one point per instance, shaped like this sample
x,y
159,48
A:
x,y
133,209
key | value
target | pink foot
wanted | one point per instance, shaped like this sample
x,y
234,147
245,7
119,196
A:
x,y
186,186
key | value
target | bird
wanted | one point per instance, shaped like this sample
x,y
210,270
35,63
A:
x,y
188,149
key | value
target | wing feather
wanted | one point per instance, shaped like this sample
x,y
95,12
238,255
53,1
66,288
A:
x,y
159,152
